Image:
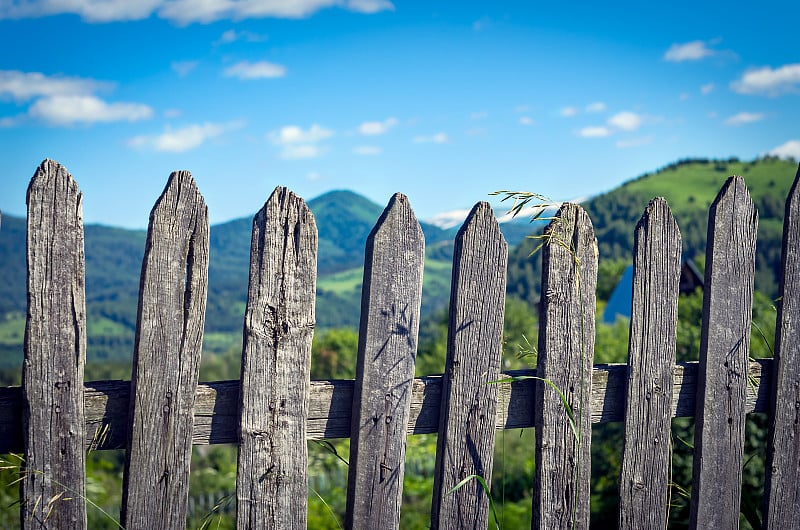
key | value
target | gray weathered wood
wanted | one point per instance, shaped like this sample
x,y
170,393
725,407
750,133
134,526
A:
x,y
272,476
782,488
465,445
53,493
387,349
169,336
646,464
566,347
724,350
216,419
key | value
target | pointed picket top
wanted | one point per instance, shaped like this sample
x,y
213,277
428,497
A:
x,y
387,347
645,471
55,353
722,385
272,471
169,336
782,487
465,443
566,350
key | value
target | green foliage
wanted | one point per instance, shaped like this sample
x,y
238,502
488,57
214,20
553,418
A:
x,y
334,353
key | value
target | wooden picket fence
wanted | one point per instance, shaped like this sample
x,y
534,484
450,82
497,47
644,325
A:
x,y
275,408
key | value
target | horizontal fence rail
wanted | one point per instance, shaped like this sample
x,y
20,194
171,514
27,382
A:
x,y
330,402
274,408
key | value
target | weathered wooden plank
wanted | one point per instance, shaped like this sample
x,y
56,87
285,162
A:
x,y
53,492
216,418
782,488
465,445
646,463
169,336
724,351
566,347
272,476
387,349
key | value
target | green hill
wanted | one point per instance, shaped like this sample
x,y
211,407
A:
x,y
690,187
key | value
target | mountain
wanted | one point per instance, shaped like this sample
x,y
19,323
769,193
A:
x,y
690,187
114,260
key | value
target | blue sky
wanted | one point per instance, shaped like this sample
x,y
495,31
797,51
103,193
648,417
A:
x,y
443,101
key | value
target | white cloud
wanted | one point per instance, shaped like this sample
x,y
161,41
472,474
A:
x,y
689,51
597,106
522,108
368,150
232,35
481,115
292,134
626,121
744,117
790,149
297,143
374,128
684,96
259,70
66,110
11,121
183,139
24,86
569,111
634,142
183,68
595,132
183,11
769,82
438,138
172,113
707,88
526,120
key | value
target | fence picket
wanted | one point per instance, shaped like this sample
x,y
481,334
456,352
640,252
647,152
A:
x,y
724,354
645,474
782,488
387,348
272,476
566,347
169,335
465,445
53,491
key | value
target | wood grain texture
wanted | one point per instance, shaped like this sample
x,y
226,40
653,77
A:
x,y
566,348
646,463
216,418
782,488
465,445
272,476
53,492
724,350
169,336
387,349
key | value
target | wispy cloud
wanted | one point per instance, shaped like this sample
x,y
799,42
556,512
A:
x,y
744,117
67,110
62,101
183,68
597,106
232,35
625,121
183,139
634,142
184,11
480,115
769,82
438,138
790,149
689,51
297,143
375,128
595,132
568,112
367,150
526,120
246,70
707,88
522,108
